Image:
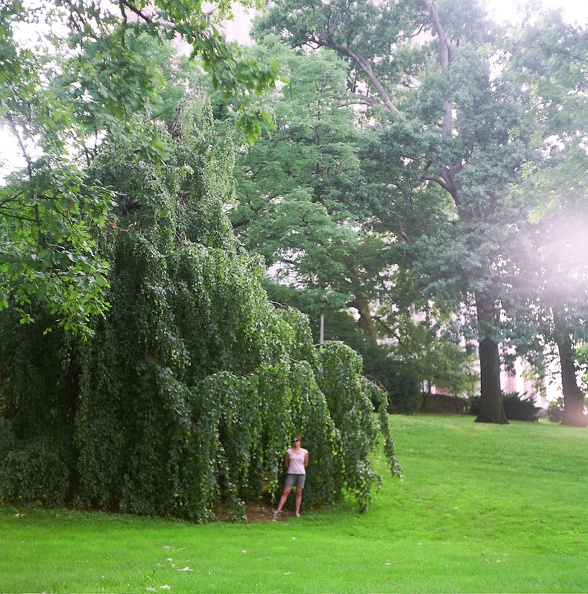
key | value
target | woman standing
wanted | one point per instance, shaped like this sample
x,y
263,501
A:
x,y
295,461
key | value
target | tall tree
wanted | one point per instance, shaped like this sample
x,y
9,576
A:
x,y
308,192
551,57
299,190
430,75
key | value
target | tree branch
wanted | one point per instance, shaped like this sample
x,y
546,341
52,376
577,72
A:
x,y
137,11
364,65
23,150
401,230
445,60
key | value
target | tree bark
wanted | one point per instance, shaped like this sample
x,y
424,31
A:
x,y
491,407
573,414
360,302
366,320
445,61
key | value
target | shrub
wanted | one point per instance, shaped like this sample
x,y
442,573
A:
x,y
555,410
516,407
474,405
36,473
399,378
405,397
520,408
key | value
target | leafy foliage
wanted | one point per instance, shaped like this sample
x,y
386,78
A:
x,y
56,261
89,72
446,153
349,400
295,185
190,386
517,407
555,410
307,195
520,408
399,378
36,473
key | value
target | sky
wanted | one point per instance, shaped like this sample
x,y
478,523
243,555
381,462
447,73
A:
x,y
573,10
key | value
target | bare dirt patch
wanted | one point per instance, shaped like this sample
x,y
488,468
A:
x,y
260,510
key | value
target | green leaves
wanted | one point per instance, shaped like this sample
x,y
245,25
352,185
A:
x,y
83,84
457,118
48,250
297,187
189,387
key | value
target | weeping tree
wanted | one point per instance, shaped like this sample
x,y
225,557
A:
x,y
190,385
142,367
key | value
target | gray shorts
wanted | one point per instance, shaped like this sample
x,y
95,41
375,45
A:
x,y
295,480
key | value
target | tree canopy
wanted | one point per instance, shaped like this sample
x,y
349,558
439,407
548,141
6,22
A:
x,y
86,77
458,118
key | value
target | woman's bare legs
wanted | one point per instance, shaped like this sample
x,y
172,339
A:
x,y
298,500
284,497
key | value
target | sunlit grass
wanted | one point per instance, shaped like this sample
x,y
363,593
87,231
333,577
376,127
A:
x,y
481,509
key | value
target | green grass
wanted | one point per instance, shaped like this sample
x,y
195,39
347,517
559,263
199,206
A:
x,y
481,509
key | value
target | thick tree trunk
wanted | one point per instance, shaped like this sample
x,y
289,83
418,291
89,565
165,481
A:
x,y
573,397
491,407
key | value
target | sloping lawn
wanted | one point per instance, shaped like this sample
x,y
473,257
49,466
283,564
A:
x,y
482,508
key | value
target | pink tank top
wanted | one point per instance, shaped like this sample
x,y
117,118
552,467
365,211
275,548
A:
x,y
297,461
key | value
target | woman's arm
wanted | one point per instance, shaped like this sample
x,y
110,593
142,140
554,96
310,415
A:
x,y
287,461
306,460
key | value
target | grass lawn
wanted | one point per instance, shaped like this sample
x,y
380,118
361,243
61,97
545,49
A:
x,y
482,508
